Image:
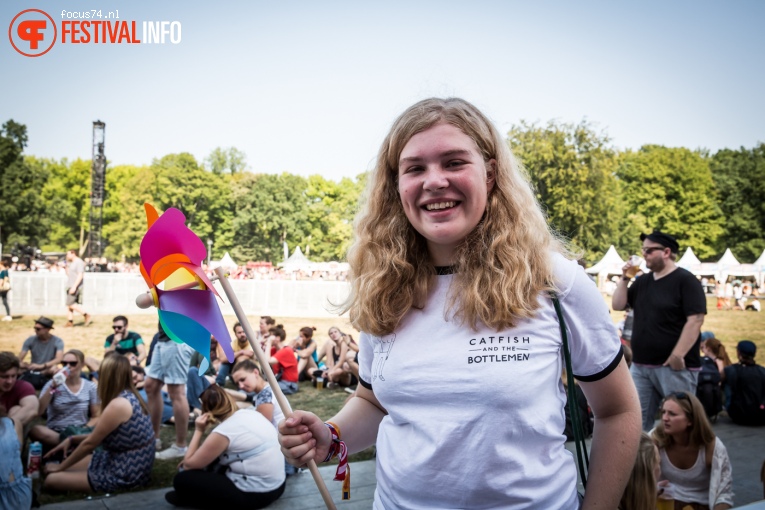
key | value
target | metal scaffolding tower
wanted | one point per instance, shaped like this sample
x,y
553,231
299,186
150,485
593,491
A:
x,y
98,180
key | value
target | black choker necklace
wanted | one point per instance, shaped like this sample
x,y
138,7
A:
x,y
444,270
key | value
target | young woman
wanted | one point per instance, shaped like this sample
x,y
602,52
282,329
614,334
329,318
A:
x,y
73,407
15,487
716,351
692,458
123,431
246,375
306,352
336,353
460,352
251,467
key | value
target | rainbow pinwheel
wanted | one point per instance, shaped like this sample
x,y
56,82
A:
x,y
172,254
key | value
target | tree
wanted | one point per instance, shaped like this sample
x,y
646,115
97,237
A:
x,y
739,176
22,213
270,209
230,160
572,168
672,189
331,211
176,180
67,198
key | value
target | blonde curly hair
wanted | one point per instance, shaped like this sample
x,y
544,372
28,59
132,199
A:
x,y
500,268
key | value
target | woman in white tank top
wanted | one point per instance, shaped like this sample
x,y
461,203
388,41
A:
x,y
693,460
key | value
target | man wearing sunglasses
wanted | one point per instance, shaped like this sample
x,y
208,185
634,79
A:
x,y
123,341
47,351
669,305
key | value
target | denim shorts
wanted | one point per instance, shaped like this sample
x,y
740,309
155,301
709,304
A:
x,y
170,362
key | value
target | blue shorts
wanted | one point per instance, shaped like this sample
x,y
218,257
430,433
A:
x,y
170,362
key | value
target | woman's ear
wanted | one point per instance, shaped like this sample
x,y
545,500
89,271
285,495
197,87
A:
x,y
491,174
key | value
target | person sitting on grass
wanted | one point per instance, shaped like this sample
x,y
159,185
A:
x,y
73,407
307,353
256,390
250,471
283,362
693,460
123,431
336,352
47,351
127,343
17,396
242,350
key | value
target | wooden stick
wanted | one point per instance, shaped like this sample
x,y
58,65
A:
x,y
265,367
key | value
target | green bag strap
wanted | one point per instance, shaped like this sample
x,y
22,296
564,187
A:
x,y
581,446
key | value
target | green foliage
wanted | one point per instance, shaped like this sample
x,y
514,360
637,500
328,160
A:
x,y
740,179
571,167
672,189
230,160
269,210
67,195
22,213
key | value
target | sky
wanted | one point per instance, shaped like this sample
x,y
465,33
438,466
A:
x,y
311,87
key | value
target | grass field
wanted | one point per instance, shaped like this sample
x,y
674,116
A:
x,y
728,326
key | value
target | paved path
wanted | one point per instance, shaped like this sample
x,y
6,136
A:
x,y
746,448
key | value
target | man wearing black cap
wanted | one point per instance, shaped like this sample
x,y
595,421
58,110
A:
x,y
47,352
669,306
745,387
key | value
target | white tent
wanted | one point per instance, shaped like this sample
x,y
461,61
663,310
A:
x,y
226,262
689,259
297,261
729,266
611,263
727,260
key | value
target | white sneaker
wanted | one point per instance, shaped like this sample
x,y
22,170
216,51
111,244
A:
x,y
174,452
157,444
7,318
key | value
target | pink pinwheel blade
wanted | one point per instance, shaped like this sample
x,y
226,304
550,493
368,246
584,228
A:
x,y
200,306
169,235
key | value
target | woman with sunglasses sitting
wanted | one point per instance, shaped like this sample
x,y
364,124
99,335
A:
x,y
73,406
123,431
238,465
693,460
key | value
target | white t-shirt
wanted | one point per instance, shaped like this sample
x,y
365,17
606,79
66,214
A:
x,y
246,430
476,419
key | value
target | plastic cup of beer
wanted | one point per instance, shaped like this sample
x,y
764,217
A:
x,y
635,262
319,383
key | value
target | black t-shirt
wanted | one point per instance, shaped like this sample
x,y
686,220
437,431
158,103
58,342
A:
x,y
661,310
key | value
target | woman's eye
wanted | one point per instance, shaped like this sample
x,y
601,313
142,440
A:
x,y
412,169
455,163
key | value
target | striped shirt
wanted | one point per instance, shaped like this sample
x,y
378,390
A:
x,y
67,408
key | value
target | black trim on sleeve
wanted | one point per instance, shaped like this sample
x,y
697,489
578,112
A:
x,y
365,384
603,373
